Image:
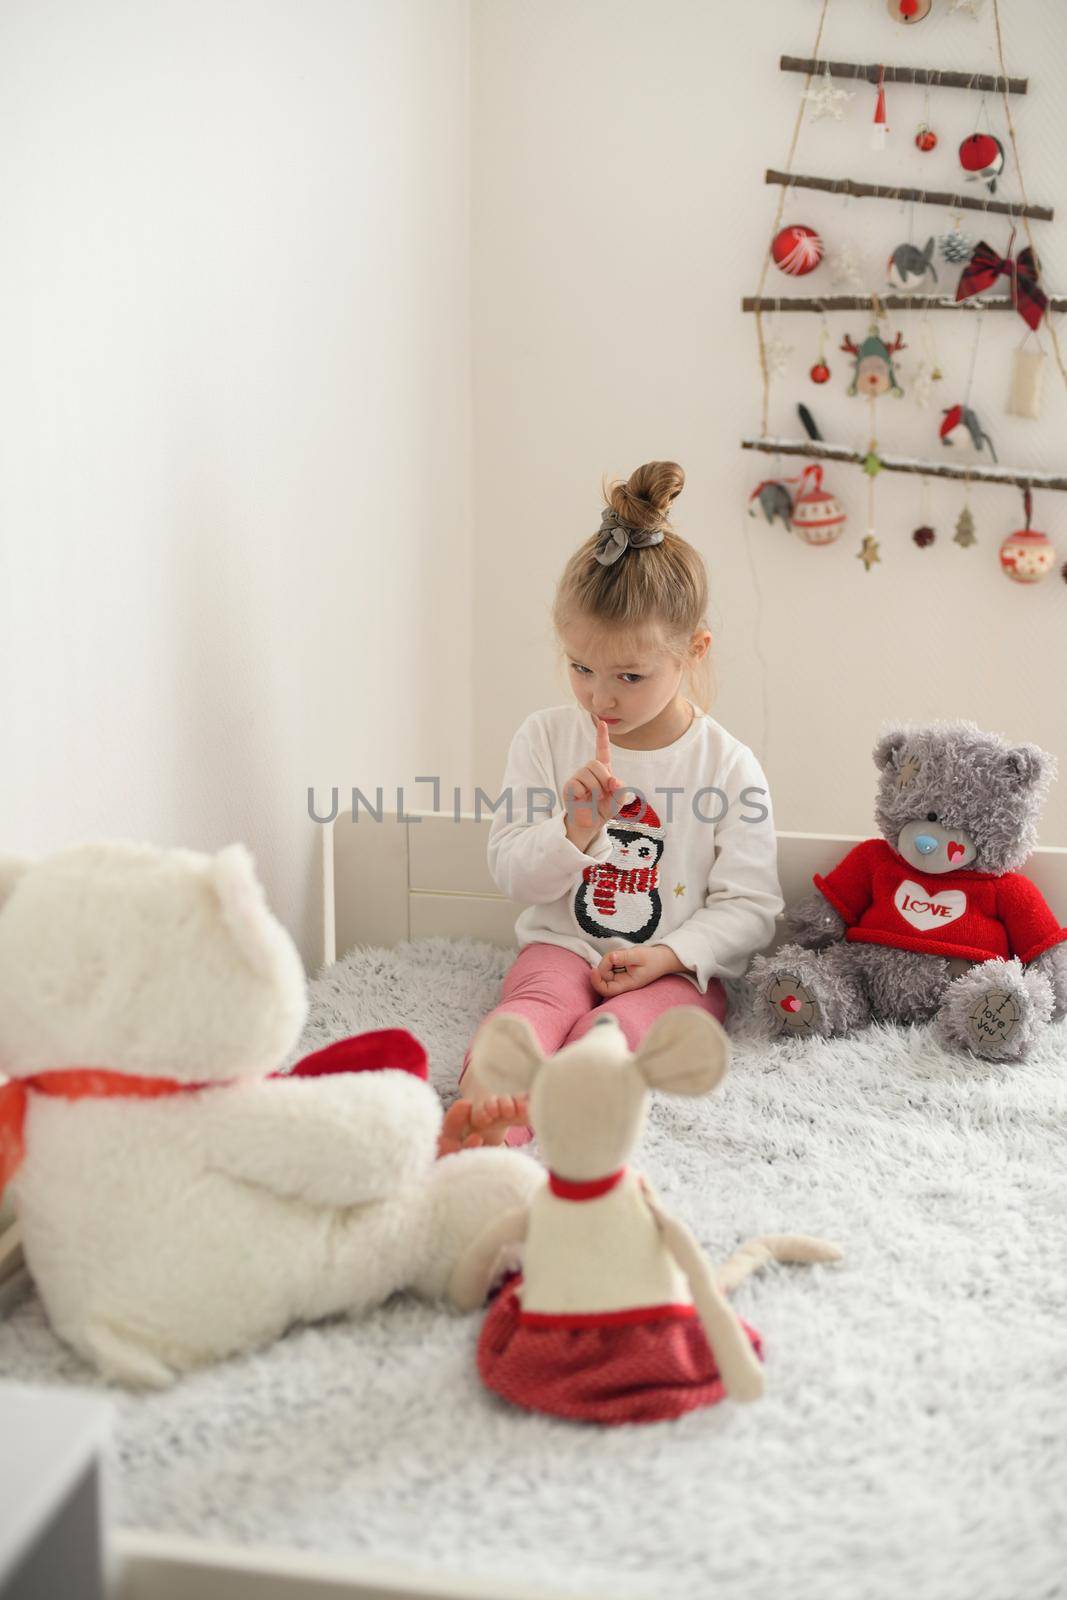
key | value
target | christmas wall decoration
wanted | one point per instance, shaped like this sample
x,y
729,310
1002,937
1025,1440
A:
x,y
915,272
817,515
960,422
982,159
908,264
1027,556
984,268
797,250
872,372
1027,383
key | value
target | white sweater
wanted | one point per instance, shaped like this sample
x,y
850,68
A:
x,y
691,869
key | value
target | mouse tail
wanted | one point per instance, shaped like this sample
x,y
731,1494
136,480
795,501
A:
x,y
788,1248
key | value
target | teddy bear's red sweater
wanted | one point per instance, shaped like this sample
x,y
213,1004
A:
x,y
972,915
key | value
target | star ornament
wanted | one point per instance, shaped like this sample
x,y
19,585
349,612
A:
x,y
825,100
679,888
868,552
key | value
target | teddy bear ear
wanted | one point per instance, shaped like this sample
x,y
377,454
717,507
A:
x,y
11,870
889,748
244,905
1026,765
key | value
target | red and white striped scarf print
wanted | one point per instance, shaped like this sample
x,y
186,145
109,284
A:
x,y
608,880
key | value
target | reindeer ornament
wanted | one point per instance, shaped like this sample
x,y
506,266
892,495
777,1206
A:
x,y
873,372
617,1315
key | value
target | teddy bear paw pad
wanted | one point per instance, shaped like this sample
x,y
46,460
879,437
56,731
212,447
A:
x,y
993,1020
794,1008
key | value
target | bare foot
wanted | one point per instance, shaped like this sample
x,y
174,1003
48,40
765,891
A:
x,y
468,1126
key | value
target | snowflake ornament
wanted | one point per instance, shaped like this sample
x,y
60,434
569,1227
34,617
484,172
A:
x,y
776,353
921,383
972,7
825,100
846,266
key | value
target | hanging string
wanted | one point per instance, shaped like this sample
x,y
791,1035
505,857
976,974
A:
x,y
777,223
1022,182
974,356
872,450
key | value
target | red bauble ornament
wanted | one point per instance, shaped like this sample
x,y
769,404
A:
x,y
817,516
926,138
924,537
820,373
982,157
1027,556
797,250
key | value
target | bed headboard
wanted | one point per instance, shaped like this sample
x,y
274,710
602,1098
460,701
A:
x,y
403,878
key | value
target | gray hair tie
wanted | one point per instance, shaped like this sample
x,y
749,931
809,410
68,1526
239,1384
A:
x,y
615,537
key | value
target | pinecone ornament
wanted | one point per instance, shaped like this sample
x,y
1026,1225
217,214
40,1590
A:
x,y
957,247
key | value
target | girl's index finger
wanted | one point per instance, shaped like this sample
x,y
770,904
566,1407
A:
x,y
603,743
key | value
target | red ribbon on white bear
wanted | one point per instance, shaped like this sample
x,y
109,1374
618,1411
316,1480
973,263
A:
x,y
383,1050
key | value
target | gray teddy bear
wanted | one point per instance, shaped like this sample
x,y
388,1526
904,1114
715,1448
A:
x,y
932,920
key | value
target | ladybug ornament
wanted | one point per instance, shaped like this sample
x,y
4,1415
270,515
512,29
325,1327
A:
x,y
909,10
1027,556
797,250
817,515
982,159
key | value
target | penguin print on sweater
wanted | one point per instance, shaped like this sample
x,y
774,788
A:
x,y
620,897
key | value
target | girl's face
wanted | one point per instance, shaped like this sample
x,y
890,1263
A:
x,y
629,685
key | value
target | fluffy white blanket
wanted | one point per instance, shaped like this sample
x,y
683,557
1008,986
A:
x,y
913,1439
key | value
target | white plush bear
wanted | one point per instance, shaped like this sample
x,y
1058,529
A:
x,y
175,1221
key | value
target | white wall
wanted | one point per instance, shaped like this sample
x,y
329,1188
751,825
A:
x,y
240,290
234,429
619,215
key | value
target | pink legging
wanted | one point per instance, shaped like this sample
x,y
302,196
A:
x,y
551,987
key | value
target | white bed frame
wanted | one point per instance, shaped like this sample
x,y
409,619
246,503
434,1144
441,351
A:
x,y
407,877
425,873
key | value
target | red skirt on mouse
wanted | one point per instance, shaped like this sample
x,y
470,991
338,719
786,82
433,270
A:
x,y
648,1364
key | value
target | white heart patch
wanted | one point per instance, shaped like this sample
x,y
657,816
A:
x,y
925,910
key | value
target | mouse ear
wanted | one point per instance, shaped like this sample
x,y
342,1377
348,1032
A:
x,y
684,1052
505,1056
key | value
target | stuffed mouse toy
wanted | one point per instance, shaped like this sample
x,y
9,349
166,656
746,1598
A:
x,y
617,1315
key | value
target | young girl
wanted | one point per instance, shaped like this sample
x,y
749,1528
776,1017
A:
x,y
637,830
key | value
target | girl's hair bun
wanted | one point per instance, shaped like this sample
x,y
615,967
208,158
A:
x,y
647,495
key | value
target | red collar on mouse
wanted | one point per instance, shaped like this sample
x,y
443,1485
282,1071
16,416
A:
x,y
385,1049
567,1189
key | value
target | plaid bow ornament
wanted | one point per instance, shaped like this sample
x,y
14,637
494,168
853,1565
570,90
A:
x,y
985,267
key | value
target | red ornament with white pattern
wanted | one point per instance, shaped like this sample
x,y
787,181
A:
x,y
817,515
797,250
1027,556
